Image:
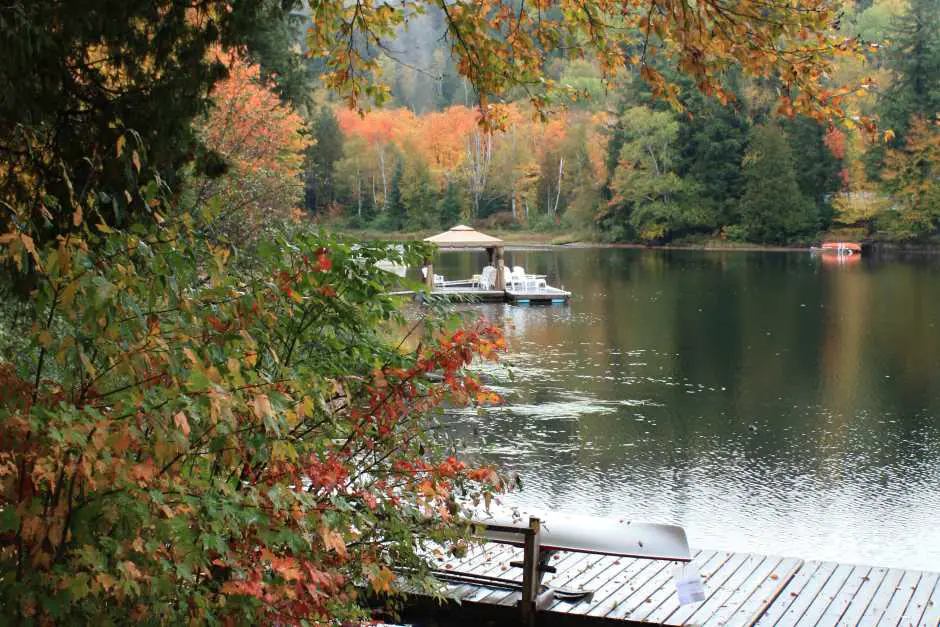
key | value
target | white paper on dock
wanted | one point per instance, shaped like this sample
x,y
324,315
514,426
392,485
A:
x,y
689,584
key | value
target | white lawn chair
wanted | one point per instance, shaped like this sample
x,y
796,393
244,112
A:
x,y
438,278
529,282
488,278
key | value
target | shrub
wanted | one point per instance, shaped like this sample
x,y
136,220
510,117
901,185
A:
x,y
183,443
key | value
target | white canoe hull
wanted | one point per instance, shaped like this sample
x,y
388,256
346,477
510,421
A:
x,y
608,536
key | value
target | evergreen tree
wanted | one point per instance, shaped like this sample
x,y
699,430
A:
x,y
122,79
773,209
449,208
817,169
319,186
396,207
712,140
914,58
417,196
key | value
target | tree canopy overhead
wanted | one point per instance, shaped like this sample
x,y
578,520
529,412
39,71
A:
x,y
503,45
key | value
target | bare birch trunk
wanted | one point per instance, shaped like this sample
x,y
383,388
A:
x,y
358,191
384,180
561,166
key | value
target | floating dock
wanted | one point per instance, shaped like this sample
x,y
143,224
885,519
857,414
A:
x,y
550,296
742,589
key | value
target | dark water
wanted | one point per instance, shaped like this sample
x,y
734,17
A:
x,y
767,402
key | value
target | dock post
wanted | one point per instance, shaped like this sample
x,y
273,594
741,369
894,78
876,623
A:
x,y
500,264
531,575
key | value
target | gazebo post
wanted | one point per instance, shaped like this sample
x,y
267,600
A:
x,y
500,277
429,274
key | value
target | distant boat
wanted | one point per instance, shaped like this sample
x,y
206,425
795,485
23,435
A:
x,y
838,248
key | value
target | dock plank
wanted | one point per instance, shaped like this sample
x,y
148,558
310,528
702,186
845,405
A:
x,y
664,601
495,566
882,597
569,562
931,615
742,590
714,581
815,604
901,599
802,581
659,577
703,563
626,589
606,595
859,603
743,609
926,587
588,581
736,584
850,589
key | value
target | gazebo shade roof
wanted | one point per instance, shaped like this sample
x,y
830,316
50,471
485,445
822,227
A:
x,y
462,236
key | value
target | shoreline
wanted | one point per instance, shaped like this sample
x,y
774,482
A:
x,y
515,240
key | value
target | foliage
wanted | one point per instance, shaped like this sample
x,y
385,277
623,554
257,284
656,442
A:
x,y
262,142
322,155
185,443
500,45
645,185
913,60
912,174
396,207
450,208
711,144
88,84
773,209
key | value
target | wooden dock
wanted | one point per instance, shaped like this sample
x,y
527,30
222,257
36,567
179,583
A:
x,y
742,589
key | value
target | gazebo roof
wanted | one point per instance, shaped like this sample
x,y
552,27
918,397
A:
x,y
462,236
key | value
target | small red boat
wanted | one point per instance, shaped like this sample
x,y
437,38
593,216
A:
x,y
838,248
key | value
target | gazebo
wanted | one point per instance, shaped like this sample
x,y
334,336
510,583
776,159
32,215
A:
x,y
462,236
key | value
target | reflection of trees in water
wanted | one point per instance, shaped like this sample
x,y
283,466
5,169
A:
x,y
814,362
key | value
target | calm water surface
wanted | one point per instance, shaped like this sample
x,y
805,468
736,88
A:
x,y
765,401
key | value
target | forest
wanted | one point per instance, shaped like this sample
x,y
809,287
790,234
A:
x,y
213,408
615,163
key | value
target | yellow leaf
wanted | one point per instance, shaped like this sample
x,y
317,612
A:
x,y
262,406
334,540
889,135
77,216
382,580
104,228
120,145
45,339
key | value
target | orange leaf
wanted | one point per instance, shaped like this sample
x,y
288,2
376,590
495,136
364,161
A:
x,y
182,423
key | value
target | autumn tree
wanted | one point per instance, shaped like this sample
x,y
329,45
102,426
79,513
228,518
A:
x,y
911,174
262,143
501,45
102,102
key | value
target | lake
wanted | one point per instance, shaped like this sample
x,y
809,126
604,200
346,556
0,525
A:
x,y
768,402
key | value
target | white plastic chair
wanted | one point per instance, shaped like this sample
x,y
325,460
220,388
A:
x,y
487,278
527,281
438,278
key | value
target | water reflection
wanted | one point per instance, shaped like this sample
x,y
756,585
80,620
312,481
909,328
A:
x,y
767,402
